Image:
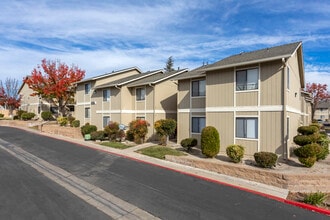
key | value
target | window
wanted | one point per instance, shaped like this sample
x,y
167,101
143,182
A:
x,y
87,88
288,77
140,118
106,120
198,123
140,94
87,112
247,128
106,95
198,88
247,79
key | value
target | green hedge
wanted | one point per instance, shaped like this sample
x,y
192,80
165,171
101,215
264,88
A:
x,y
235,152
265,159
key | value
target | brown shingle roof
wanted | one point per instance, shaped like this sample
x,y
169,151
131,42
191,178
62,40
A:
x,y
267,54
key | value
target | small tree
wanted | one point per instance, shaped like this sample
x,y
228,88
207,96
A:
x,y
9,97
319,93
54,81
139,129
164,128
210,141
112,130
169,64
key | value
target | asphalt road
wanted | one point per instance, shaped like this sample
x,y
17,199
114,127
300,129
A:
x,y
163,193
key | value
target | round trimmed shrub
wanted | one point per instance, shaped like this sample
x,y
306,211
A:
x,y
27,115
308,150
188,143
88,129
210,141
307,161
235,152
46,116
98,135
75,123
1,115
265,159
307,130
63,121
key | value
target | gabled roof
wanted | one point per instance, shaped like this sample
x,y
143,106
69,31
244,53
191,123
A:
x,y
156,78
110,74
257,56
129,79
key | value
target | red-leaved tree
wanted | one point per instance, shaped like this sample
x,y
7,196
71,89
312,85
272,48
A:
x,y
54,81
9,97
319,93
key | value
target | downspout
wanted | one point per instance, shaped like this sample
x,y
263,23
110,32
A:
x,y
153,108
284,122
120,111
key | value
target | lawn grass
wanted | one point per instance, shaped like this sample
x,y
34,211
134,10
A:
x,y
116,145
160,151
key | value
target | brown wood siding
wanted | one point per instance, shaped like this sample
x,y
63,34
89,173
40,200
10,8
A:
x,y
271,128
250,146
166,96
183,126
247,98
271,83
294,91
149,98
224,123
198,102
184,94
220,88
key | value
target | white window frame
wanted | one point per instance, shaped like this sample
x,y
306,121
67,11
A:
x,y
249,81
87,88
201,88
87,112
107,121
247,133
106,97
141,96
200,124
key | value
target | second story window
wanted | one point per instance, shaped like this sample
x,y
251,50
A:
x,y
247,79
140,94
198,88
106,95
87,88
87,112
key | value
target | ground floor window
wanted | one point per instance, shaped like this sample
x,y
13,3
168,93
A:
x,y
87,112
247,128
106,120
197,124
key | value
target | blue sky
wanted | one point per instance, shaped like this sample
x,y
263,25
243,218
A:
x,y
102,36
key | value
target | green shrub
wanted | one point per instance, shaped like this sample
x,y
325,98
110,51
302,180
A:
x,y
70,120
112,130
316,199
164,128
98,135
19,113
27,116
307,161
317,125
210,141
308,150
129,135
62,121
88,129
1,115
307,130
188,143
75,123
265,159
235,152
46,116
324,143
